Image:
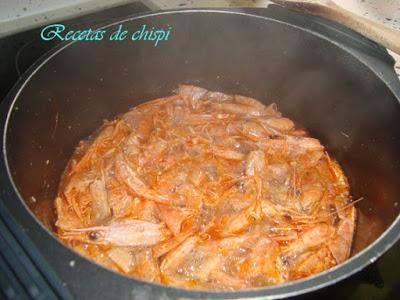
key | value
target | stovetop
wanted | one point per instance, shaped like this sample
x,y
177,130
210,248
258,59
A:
x,y
19,276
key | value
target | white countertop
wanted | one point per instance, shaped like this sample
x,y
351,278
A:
x,y
17,15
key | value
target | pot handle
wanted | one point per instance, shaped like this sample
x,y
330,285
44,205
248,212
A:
x,y
388,37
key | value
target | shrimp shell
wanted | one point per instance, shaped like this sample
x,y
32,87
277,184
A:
x,y
206,190
133,233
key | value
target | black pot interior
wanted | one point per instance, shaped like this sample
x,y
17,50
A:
x,y
320,86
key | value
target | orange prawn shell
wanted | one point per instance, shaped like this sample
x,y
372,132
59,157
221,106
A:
x,y
243,197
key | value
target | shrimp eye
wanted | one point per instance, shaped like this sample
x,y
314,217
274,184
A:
x,y
284,260
335,216
287,217
241,186
94,235
274,136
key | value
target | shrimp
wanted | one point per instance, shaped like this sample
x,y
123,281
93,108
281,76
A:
x,y
282,124
237,109
206,190
291,145
255,163
147,266
173,259
173,217
309,239
311,196
191,94
122,203
340,245
67,217
111,135
101,210
122,257
77,194
163,248
221,280
244,219
265,263
249,102
228,154
311,262
153,152
130,177
254,131
133,233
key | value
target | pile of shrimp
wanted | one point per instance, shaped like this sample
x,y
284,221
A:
x,y
206,190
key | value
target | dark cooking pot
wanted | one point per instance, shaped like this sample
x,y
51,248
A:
x,y
334,82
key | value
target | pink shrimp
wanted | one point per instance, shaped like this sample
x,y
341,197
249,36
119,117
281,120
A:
x,y
130,177
133,233
206,190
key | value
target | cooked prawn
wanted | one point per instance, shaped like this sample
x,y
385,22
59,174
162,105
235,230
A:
x,y
206,190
